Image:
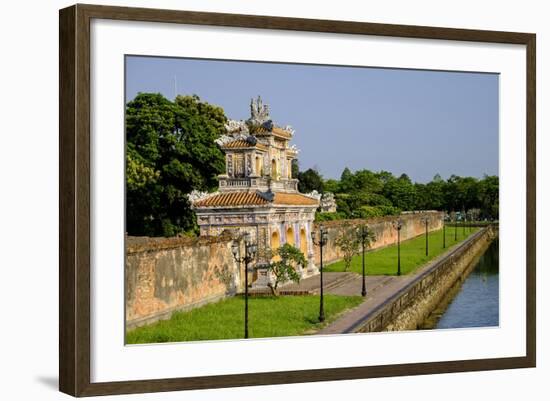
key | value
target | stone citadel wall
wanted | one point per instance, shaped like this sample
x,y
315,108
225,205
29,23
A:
x,y
163,275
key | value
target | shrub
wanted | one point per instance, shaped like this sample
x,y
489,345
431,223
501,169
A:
x,y
349,245
284,269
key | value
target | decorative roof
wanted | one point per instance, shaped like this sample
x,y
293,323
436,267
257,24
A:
x,y
255,199
243,143
282,132
283,198
259,112
259,130
277,131
232,199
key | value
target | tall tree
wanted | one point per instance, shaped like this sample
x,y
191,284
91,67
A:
x,y
401,192
346,180
170,152
310,180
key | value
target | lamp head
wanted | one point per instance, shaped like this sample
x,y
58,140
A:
x,y
324,236
235,249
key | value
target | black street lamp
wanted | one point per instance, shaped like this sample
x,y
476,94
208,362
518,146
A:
x,y
444,231
365,237
426,220
398,225
464,224
323,239
250,251
456,224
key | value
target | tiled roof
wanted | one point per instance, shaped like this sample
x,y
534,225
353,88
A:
x,y
282,198
255,199
261,130
241,143
232,199
281,132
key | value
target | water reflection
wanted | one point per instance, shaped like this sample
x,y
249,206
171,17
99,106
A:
x,y
476,305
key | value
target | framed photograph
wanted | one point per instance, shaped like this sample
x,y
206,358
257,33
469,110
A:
x,y
250,200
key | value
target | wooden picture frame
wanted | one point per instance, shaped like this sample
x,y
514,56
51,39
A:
x,y
74,203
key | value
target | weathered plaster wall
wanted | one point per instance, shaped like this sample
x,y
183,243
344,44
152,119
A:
x,y
383,228
168,274
408,309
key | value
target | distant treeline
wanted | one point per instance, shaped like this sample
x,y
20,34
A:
x,y
365,193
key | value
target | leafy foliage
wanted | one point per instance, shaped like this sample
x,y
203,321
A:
x,y
365,194
310,180
348,243
286,259
170,152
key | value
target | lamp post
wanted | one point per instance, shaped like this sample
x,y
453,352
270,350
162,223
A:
x,y
426,220
250,250
321,242
364,236
444,231
464,224
398,225
456,224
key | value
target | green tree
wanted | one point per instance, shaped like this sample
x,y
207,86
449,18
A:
x,y
310,180
346,180
368,182
401,192
283,267
348,243
434,194
138,173
488,196
170,152
295,168
331,185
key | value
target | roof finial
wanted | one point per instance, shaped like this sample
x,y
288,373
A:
x,y
259,112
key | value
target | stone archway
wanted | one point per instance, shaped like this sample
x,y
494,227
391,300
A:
x,y
275,243
274,172
290,236
258,165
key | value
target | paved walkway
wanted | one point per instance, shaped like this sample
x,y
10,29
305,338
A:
x,y
380,289
310,285
387,288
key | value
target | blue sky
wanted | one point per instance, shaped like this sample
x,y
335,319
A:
x,y
404,121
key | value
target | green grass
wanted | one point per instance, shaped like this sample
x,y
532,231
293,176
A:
x,y
268,317
413,253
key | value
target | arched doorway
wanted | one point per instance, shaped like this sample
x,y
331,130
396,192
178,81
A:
x,y
275,243
303,241
258,165
274,172
290,236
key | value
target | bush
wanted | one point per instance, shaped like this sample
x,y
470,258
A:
x,y
329,216
366,212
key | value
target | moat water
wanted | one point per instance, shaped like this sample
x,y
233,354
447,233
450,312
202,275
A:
x,y
477,302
